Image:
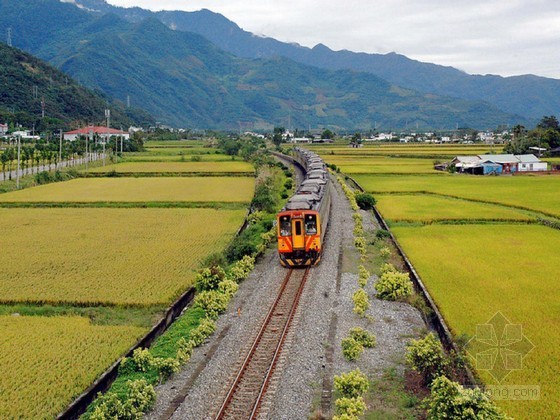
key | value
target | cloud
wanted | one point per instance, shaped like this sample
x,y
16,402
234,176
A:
x,y
504,37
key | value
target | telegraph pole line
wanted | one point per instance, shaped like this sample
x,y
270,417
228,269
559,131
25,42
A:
x,y
9,37
60,149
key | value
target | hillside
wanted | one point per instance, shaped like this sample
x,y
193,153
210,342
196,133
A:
x,y
528,95
184,80
25,81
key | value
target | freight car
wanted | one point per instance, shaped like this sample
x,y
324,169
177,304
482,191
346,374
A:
x,y
303,222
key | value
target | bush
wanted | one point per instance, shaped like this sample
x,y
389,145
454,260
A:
x,y
142,360
241,269
363,276
204,330
351,349
382,234
215,259
363,337
393,285
365,201
388,268
195,158
209,278
288,184
361,302
213,302
385,252
350,408
450,400
166,366
426,356
184,350
228,287
140,398
352,384
43,178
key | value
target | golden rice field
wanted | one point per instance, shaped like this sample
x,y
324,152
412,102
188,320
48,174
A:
x,y
46,362
177,167
158,189
428,208
382,165
474,271
149,157
408,149
538,193
107,256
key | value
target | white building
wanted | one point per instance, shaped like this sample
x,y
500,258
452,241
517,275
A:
x,y
102,132
530,163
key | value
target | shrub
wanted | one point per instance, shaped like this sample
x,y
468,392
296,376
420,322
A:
x,y
209,278
241,269
215,259
361,302
184,350
450,400
166,366
204,330
288,184
385,252
213,302
363,337
142,360
352,384
140,397
382,234
351,349
363,276
393,285
388,268
365,201
196,158
350,408
426,357
360,243
228,287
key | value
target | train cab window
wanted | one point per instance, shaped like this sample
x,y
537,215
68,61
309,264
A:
x,y
311,224
285,226
298,228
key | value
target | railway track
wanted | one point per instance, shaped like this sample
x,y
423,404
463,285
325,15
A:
x,y
250,385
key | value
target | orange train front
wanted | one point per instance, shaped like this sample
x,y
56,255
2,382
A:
x,y
302,223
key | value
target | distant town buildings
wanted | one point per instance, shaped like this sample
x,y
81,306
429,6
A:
x,y
3,129
102,132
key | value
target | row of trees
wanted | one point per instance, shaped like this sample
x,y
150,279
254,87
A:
x,y
44,152
545,135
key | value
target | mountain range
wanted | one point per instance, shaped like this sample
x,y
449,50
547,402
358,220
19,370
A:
x,y
27,82
201,70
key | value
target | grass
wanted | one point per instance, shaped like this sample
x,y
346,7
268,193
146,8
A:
x,y
130,257
430,208
88,190
538,193
48,361
177,167
473,272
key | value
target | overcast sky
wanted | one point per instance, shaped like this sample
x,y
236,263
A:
x,y
506,37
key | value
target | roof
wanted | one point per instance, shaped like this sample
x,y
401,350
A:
x,y
528,158
96,130
500,158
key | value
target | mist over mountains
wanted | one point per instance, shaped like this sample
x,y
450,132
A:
x,y
199,69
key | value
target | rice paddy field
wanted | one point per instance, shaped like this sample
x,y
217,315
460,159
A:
x,y
228,167
99,256
479,248
47,361
104,250
428,209
125,189
475,271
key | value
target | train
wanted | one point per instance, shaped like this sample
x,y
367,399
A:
x,y
302,223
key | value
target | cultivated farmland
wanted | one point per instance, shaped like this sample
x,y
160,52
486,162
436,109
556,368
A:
x,y
178,167
45,362
107,256
473,272
429,208
159,189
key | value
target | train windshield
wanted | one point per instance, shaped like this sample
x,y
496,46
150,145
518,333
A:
x,y
311,224
285,226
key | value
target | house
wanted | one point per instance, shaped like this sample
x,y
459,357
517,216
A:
x,y
102,132
3,129
300,140
509,162
466,163
531,163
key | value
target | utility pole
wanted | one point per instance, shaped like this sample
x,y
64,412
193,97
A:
x,y
60,149
43,107
108,116
18,160
87,146
9,37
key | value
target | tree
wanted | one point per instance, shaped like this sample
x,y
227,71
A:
x,y
278,135
550,122
327,134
